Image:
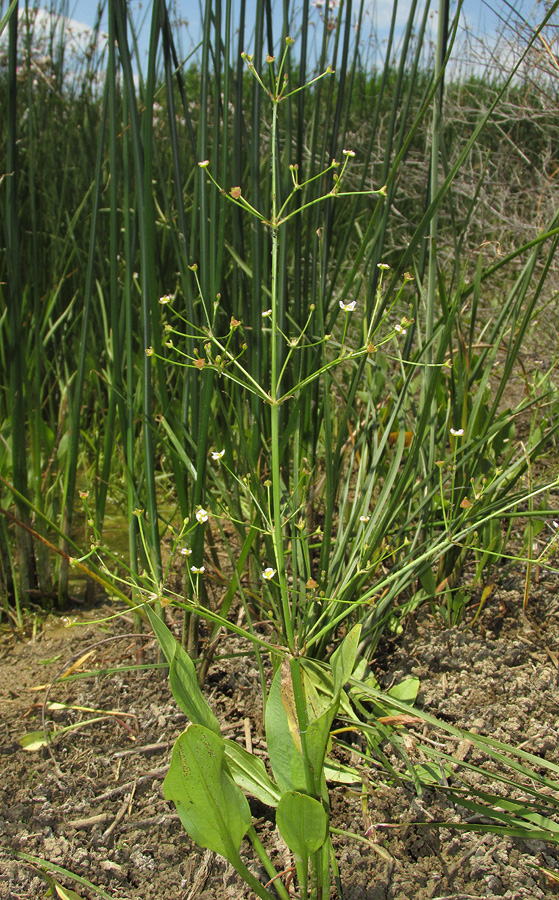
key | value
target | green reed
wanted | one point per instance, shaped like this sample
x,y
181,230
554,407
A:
x,y
340,469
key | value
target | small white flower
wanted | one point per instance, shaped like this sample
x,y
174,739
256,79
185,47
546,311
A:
x,y
383,266
268,573
217,455
185,551
400,330
198,570
165,299
457,432
364,518
201,516
348,307
267,313
350,153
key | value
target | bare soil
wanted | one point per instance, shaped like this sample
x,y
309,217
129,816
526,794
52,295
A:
x,y
95,807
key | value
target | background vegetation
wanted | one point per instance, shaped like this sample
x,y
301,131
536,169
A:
x,y
274,310
108,215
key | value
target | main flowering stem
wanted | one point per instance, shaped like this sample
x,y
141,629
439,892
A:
x,y
277,533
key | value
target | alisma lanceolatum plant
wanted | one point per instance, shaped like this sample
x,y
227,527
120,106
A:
x,y
342,471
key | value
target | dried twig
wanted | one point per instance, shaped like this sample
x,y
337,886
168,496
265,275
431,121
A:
x,y
154,773
124,810
147,748
99,819
201,876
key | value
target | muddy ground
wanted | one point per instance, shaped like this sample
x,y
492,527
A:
x,y
96,807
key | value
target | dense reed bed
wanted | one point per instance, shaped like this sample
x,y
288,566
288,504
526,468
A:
x,y
309,338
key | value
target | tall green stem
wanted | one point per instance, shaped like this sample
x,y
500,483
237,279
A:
x,y
142,156
15,314
433,232
85,337
277,536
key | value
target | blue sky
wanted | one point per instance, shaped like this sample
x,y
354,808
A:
x,y
484,18
481,14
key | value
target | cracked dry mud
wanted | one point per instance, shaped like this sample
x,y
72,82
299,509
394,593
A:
x,y
99,811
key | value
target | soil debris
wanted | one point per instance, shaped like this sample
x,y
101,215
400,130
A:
x,y
100,812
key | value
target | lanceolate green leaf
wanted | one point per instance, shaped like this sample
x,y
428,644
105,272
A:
x,y
283,726
343,659
212,808
285,758
249,772
318,745
48,866
318,731
182,676
187,693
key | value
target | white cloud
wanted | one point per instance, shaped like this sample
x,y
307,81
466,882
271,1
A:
x,y
47,28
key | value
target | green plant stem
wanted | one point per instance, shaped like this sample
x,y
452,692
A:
x,y
142,159
75,431
313,782
277,523
16,303
430,374
251,880
267,863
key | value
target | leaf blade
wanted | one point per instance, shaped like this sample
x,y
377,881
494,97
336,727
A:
x,y
212,808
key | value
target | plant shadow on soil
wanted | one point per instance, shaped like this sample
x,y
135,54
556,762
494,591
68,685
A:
x,y
98,808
